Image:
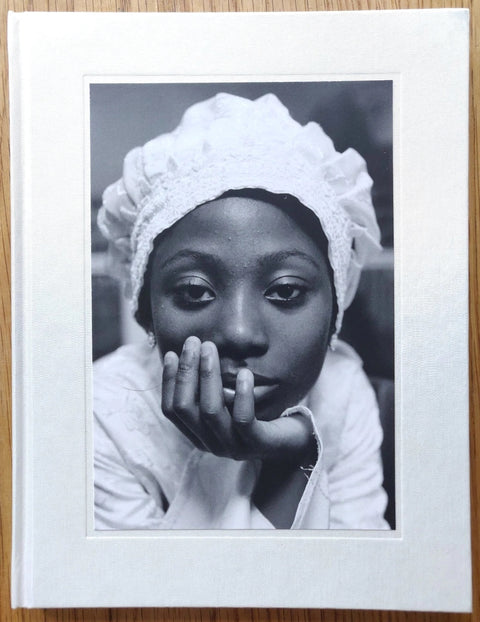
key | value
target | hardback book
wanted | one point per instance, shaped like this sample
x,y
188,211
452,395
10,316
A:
x,y
240,310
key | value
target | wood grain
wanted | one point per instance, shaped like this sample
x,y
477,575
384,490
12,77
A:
x,y
232,615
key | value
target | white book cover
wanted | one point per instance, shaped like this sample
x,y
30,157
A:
x,y
240,219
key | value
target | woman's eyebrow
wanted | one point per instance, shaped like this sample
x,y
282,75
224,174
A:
x,y
205,258
280,256
212,260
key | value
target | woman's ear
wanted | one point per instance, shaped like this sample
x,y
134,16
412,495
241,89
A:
x,y
143,314
333,319
331,331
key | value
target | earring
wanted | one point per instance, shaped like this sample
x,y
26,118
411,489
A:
x,y
333,342
152,340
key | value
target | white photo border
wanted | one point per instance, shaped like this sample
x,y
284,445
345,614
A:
x,y
190,80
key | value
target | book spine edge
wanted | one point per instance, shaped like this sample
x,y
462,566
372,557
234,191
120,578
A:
x,y
21,562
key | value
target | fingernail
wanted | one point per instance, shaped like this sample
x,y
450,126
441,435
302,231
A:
x,y
207,347
189,347
168,358
206,360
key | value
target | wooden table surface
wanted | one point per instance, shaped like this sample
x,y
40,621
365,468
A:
x,y
233,615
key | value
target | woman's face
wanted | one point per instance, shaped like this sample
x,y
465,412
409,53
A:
x,y
242,273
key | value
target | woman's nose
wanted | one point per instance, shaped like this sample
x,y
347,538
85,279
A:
x,y
240,331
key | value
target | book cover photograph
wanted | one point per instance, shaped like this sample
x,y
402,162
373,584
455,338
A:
x,y
277,324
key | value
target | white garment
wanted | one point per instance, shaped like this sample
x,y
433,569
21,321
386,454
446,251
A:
x,y
148,475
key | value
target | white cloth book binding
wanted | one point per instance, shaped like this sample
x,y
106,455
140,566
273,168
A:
x,y
58,559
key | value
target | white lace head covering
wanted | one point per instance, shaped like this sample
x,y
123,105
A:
x,y
231,143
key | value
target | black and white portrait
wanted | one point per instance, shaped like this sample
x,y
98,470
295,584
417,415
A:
x,y
242,305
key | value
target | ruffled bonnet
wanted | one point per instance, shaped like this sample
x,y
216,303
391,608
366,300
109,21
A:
x,y
232,143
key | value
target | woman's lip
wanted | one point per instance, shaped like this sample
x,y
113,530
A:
x,y
260,392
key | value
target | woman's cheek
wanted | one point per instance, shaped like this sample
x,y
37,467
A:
x,y
171,330
305,344
305,366
173,325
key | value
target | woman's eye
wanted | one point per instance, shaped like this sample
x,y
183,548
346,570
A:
x,y
193,295
286,293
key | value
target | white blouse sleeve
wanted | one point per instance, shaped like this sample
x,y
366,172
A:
x,y
357,499
121,501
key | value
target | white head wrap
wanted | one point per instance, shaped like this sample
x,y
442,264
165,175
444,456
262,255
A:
x,y
232,143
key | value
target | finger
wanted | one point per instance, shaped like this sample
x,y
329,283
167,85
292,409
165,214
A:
x,y
247,427
212,405
186,394
211,387
186,384
168,387
244,405
170,367
287,437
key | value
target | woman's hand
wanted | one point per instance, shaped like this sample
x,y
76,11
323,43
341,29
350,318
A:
x,y
193,399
